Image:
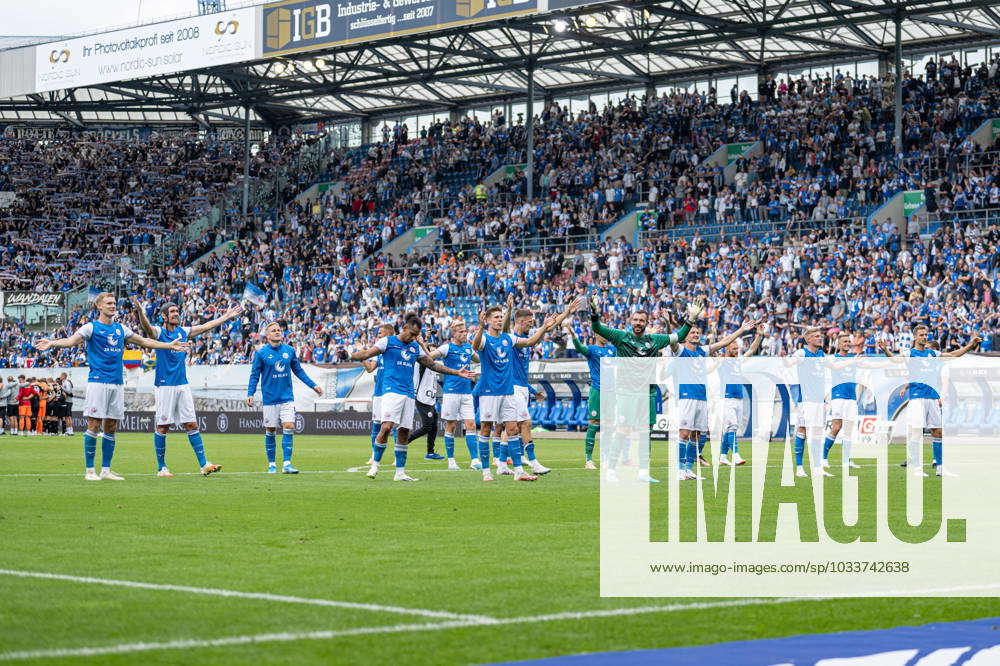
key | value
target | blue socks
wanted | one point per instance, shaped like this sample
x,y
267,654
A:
x,y
692,453
827,445
107,449
682,455
286,444
702,438
89,448
377,451
728,438
484,452
400,451
376,426
800,448
194,438
514,450
472,443
449,446
936,451
160,446
269,446
529,451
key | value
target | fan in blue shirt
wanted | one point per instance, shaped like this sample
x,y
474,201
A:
x,y
273,366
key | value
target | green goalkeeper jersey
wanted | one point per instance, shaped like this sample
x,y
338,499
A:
x,y
630,345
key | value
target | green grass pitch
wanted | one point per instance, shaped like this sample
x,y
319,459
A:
x,y
508,551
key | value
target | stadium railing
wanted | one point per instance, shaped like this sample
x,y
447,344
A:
x,y
924,223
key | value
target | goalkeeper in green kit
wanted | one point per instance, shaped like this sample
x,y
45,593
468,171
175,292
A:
x,y
636,343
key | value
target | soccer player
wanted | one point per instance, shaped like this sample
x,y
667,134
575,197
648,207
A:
x,y
6,389
375,365
811,410
692,401
456,403
637,343
13,406
843,400
593,353
25,392
925,403
104,404
174,402
400,354
495,388
523,319
67,387
732,408
273,365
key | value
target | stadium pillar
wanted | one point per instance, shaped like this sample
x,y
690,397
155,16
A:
x,y
529,169
246,161
898,101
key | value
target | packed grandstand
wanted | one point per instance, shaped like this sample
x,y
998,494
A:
x,y
793,236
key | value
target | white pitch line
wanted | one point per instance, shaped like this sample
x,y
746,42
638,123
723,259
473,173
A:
x,y
263,596
252,639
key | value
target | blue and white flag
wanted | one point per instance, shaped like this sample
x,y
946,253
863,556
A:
x,y
92,295
254,294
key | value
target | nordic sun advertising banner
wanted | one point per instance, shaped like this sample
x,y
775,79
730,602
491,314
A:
x,y
302,25
160,48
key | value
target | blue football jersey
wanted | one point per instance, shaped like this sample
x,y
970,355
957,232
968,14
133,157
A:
x,y
456,357
812,377
170,367
399,360
273,366
594,355
496,360
522,357
922,369
693,391
105,347
379,378
844,386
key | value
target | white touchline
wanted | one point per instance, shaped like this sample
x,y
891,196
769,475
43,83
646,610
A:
x,y
263,596
472,621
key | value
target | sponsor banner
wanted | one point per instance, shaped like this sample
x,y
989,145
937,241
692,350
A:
x,y
142,51
252,423
303,25
736,150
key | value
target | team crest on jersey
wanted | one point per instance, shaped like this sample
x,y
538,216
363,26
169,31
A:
x,y
505,341
284,355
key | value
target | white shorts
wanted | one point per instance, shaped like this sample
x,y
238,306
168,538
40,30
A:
x,y
732,414
397,408
104,401
521,398
924,413
843,409
376,408
277,415
174,404
810,414
457,407
693,414
498,409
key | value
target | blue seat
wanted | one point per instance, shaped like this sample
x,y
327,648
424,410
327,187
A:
x,y
582,417
561,419
547,419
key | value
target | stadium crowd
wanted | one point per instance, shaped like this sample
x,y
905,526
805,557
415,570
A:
x,y
827,156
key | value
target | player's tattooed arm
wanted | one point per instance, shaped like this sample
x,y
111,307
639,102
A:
x,y
570,310
234,311
369,365
147,343
536,337
725,341
365,354
71,341
442,369
758,338
140,312
961,351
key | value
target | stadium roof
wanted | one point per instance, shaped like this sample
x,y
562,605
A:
x,y
630,43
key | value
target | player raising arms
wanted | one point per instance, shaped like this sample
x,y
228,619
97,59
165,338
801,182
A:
x,y
104,405
925,402
273,365
174,401
732,408
593,353
693,398
497,402
400,353
456,403
636,343
523,319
